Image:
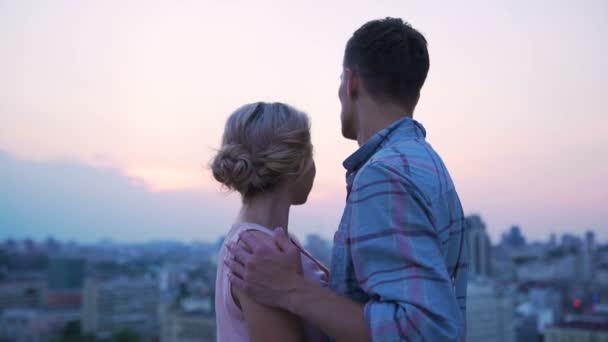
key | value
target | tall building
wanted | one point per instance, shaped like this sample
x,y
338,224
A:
x,y
601,272
66,273
582,251
489,315
590,240
552,240
65,277
502,264
111,306
514,238
570,241
480,261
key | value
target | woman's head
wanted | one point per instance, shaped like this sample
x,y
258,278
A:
x,y
266,146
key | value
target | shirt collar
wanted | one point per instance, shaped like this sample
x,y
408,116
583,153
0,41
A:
x,y
402,129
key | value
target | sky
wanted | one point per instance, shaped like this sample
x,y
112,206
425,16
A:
x,y
111,110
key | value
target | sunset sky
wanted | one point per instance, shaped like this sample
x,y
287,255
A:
x,y
110,110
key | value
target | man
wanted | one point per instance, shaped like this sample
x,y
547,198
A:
x,y
399,258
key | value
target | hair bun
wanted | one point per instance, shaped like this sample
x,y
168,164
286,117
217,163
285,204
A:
x,y
233,167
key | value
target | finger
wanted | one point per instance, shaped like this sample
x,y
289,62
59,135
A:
x,y
236,281
238,253
245,245
281,238
235,267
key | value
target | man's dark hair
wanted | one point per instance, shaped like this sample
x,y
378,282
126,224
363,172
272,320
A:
x,y
391,58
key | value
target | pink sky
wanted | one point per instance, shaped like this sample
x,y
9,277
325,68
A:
x,y
515,101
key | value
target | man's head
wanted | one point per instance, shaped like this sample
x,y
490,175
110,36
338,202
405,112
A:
x,y
386,61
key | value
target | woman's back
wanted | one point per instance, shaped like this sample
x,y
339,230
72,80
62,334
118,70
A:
x,y
231,324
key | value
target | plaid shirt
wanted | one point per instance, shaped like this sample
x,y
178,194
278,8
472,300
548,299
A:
x,y
400,247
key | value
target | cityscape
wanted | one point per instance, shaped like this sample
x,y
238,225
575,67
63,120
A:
x,y
111,219
553,290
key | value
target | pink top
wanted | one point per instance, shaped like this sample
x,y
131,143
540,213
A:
x,y
230,321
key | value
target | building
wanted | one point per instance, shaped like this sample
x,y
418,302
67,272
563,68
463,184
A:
x,y
590,240
542,296
489,316
533,317
121,303
190,321
66,273
552,240
480,261
514,238
601,272
564,268
169,277
26,294
580,328
184,327
577,332
33,324
502,264
570,241
65,277
526,327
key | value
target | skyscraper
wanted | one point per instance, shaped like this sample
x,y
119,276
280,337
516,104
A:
x,y
66,273
590,240
65,277
514,238
480,248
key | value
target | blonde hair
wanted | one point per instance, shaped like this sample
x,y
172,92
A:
x,y
262,143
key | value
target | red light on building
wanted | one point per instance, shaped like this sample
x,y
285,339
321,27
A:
x,y
64,299
577,303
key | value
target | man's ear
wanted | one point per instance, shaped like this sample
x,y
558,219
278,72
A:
x,y
352,82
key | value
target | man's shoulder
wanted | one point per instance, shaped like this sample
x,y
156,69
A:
x,y
396,157
382,168
407,164
397,151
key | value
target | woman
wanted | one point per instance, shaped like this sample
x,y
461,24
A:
x,y
266,156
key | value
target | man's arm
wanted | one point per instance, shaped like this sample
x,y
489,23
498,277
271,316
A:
x,y
337,316
398,261
269,274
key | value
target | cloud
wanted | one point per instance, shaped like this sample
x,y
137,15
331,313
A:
x,y
71,200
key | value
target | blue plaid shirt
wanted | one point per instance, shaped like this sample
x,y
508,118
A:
x,y
400,247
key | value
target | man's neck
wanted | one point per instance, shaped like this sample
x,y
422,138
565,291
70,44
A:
x,y
375,116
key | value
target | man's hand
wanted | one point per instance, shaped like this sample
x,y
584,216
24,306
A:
x,y
269,270
265,269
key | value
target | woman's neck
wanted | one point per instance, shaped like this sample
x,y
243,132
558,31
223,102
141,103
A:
x,y
270,210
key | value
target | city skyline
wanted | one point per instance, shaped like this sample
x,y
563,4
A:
x,y
517,291
109,112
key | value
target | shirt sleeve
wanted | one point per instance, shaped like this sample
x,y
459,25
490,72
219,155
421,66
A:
x,y
398,260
